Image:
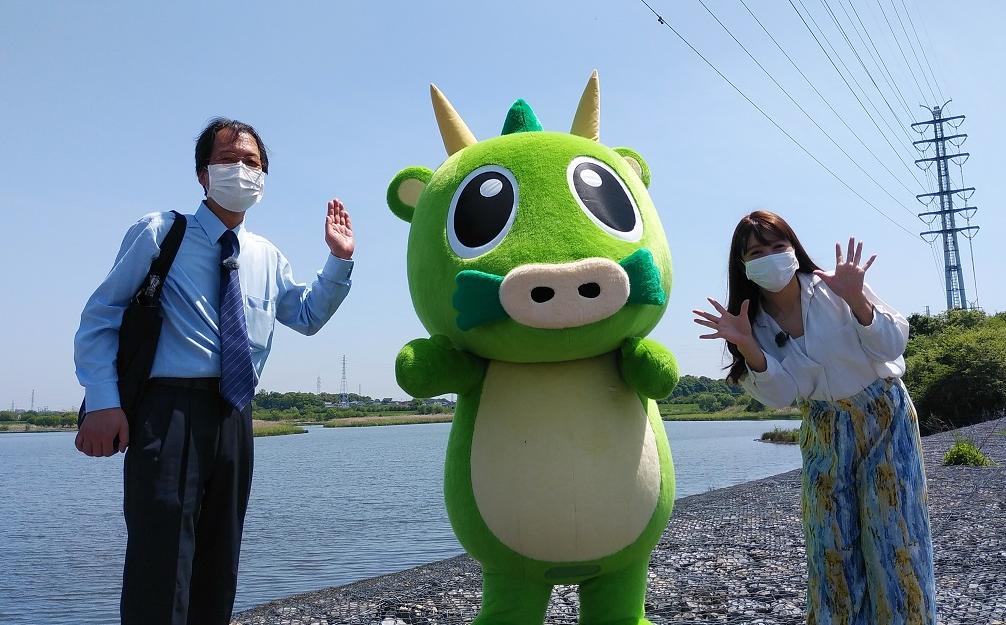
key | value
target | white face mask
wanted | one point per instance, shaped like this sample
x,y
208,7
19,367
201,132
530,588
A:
x,y
772,272
236,187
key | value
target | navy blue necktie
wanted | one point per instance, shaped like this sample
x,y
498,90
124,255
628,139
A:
x,y
237,378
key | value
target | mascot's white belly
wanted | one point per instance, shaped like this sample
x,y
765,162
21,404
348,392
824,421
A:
x,y
564,463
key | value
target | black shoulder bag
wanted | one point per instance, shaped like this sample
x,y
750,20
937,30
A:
x,y
141,327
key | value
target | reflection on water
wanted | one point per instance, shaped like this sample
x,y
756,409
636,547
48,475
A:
x,y
327,508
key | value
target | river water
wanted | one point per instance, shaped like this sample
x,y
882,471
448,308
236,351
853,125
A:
x,y
327,508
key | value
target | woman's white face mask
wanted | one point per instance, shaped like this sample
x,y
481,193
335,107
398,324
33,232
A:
x,y
772,272
237,187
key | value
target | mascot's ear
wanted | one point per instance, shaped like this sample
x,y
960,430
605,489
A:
x,y
637,163
405,189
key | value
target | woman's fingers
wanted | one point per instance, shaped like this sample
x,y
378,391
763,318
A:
x,y
710,336
869,262
859,253
719,308
852,249
705,315
838,254
708,324
744,307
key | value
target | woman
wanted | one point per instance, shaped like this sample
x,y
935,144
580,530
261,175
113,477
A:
x,y
828,342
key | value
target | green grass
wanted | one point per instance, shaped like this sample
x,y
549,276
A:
x,y
11,427
265,428
965,453
672,409
350,422
733,415
779,435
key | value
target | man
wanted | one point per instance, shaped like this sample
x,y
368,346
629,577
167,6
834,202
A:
x,y
188,466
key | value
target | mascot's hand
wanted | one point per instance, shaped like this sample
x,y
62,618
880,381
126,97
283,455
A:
x,y
648,367
430,367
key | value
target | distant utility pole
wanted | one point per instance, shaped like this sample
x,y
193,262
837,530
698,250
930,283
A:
x,y
947,214
344,387
33,400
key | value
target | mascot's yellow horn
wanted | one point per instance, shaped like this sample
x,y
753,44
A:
x,y
453,129
587,122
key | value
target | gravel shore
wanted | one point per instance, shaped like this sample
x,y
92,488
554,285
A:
x,y
734,555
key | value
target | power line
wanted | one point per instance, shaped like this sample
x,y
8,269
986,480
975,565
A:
x,y
888,47
925,31
661,20
842,76
841,30
921,47
911,45
827,103
802,110
900,49
849,71
878,59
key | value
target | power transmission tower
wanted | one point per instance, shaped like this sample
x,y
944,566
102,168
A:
x,y
344,387
319,385
947,214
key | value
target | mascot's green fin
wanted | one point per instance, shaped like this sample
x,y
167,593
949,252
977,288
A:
x,y
520,118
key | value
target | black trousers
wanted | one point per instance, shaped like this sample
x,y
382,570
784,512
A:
x,y
188,473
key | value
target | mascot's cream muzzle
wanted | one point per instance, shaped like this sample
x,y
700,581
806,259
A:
x,y
556,296
564,296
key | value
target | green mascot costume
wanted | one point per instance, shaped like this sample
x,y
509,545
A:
x,y
538,264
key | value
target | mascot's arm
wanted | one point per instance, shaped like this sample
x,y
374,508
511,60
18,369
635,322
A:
x,y
430,367
648,367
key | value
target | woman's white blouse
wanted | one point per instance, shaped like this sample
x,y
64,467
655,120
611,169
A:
x,y
839,358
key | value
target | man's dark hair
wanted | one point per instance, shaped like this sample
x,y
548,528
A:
x,y
204,143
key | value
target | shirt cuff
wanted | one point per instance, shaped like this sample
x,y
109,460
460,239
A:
x,y
101,396
883,336
771,370
337,269
877,326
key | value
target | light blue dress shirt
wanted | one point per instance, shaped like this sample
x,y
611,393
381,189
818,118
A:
x,y
189,346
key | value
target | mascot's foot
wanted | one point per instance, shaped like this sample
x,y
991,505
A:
x,y
612,599
615,598
510,601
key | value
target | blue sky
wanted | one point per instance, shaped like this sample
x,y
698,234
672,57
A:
x,y
102,101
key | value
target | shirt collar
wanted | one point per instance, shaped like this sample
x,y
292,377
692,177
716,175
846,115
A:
x,y
808,282
215,228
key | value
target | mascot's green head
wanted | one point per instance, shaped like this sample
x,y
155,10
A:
x,y
533,246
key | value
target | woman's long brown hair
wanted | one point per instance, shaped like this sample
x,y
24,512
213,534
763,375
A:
x,y
766,227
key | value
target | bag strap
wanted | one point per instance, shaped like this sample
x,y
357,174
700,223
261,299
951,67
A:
x,y
150,292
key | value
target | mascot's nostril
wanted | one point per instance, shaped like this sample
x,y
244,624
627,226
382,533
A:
x,y
542,294
589,289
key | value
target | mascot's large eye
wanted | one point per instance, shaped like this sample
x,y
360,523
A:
x,y
482,211
603,195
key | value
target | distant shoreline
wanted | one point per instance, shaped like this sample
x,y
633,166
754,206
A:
x,y
413,419
744,416
30,428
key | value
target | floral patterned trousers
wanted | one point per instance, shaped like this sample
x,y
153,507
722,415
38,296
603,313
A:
x,y
865,514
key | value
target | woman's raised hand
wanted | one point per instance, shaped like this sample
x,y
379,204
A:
x,y
735,329
847,280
